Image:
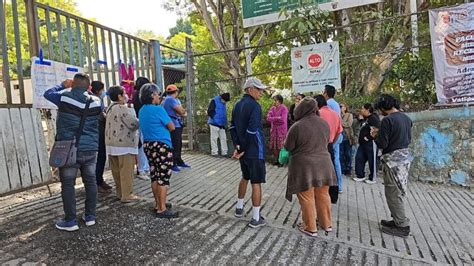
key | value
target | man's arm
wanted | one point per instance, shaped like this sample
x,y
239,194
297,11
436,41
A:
x,y
54,94
382,135
233,132
211,109
255,121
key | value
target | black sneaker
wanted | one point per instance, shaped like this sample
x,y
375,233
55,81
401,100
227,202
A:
x,y
387,223
255,224
167,214
397,231
168,205
239,212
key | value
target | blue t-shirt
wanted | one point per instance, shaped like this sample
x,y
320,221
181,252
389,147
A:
x,y
153,121
169,104
334,106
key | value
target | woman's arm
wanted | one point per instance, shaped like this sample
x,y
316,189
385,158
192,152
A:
x,y
129,119
170,126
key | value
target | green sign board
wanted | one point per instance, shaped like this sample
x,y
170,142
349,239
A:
x,y
258,12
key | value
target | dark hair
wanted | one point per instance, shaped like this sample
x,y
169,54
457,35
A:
x,y
330,91
225,96
171,92
147,91
369,107
387,102
320,100
82,81
301,94
97,86
279,98
140,82
115,91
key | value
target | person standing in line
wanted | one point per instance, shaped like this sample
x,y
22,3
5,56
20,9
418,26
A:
x,y
217,121
347,142
247,136
310,169
176,112
143,169
367,147
71,108
121,139
393,138
97,89
155,125
291,116
278,119
329,93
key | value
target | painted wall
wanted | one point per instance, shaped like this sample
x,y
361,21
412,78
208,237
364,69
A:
x,y
443,146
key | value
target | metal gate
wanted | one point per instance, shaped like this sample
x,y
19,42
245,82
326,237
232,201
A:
x,y
28,28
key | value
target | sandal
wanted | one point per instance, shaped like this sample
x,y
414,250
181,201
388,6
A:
x,y
131,198
167,214
308,233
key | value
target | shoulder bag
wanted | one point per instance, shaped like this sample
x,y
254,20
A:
x,y
64,152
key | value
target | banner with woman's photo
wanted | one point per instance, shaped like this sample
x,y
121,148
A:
x,y
452,43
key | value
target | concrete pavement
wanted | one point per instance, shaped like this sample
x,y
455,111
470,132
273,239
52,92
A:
x,y
207,232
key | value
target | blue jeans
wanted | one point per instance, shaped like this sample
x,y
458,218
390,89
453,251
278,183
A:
x,y
86,162
337,161
346,157
142,159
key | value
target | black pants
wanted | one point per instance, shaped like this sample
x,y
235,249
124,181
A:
x,y
177,141
333,190
365,153
101,158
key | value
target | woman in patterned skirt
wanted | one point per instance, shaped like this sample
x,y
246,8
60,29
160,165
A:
x,y
155,125
278,119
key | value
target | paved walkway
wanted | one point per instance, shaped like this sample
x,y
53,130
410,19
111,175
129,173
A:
x,y
207,232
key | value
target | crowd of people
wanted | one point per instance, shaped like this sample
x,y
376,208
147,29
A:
x,y
319,134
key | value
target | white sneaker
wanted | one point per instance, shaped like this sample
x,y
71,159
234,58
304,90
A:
x,y
370,181
359,179
143,176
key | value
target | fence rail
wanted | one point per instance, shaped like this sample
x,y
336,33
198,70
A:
x,y
29,29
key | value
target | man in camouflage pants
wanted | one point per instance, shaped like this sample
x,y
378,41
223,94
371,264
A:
x,y
393,138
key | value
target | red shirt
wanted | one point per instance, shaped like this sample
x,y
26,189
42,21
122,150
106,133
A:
x,y
333,120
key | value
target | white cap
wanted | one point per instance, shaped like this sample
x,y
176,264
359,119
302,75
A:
x,y
254,82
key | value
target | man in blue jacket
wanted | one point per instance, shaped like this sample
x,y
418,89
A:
x,y
217,121
247,136
71,106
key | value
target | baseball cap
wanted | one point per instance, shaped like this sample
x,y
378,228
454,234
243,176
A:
x,y
254,82
171,88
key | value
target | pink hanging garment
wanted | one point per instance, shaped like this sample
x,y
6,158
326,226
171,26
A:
x,y
127,80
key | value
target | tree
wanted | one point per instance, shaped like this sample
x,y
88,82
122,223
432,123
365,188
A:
x,y
66,5
182,25
222,20
148,35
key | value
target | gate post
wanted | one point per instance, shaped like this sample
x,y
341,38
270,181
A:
x,y
156,55
189,92
31,21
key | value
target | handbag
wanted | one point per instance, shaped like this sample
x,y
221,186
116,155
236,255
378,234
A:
x,y
284,156
64,152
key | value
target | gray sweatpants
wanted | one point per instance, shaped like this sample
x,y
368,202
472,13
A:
x,y
394,197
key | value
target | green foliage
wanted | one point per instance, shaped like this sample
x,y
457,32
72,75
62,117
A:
x,y
417,74
182,25
24,53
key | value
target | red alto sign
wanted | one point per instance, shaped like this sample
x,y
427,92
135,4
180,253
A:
x,y
315,60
